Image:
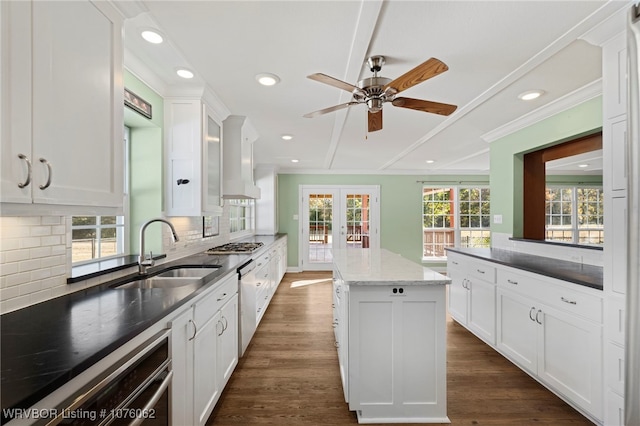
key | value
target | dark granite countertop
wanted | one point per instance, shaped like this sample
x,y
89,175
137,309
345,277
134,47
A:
x,y
45,345
577,273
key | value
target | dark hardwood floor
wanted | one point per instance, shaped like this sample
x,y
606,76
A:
x,y
289,374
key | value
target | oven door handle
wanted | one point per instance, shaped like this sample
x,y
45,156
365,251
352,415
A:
x,y
154,399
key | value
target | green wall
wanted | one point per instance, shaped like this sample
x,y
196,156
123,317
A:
x,y
400,207
145,166
506,158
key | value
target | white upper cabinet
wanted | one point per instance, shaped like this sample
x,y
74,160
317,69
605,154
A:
x,y
239,136
62,104
193,153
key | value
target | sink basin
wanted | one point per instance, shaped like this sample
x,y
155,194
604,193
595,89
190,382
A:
x,y
186,278
161,282
187,272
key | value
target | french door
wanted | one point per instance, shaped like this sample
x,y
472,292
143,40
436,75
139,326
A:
x,y
337,217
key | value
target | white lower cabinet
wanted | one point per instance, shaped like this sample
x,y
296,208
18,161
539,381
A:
x,y
472,296
204,350
394,355
561,349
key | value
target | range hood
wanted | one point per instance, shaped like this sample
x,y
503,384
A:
x,y
238,136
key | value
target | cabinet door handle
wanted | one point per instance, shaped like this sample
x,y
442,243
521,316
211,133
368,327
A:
x,y
48,182
221,325
530,312
480,271
565,300
195,329
28,180
226,324
512,282
537,314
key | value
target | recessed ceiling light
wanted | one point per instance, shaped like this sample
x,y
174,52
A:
x,y
267,79
582,166
530,95
294,160
152,36
287,137
184,73
431,161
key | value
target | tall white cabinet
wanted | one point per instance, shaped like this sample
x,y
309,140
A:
x,y
615,156
193,158
62,104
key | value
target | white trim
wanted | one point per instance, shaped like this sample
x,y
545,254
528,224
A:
x,y
581,95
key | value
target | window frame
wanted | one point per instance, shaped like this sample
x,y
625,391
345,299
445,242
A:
x,y
457,229
575,227
119,226
248,218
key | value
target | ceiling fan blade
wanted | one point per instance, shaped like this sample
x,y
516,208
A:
x,y
374,121
323,78
330,109
426,106
430,68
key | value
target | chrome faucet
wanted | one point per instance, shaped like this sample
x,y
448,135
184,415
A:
x,y
143,262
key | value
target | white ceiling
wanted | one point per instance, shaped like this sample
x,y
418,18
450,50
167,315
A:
x,y
494,49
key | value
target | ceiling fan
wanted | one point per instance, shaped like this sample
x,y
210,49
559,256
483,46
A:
x,y
375,91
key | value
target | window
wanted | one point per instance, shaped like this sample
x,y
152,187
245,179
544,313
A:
x,y
96,237
575,215
454,217
241,218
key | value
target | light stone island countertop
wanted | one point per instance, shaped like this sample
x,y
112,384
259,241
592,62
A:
x,y
382,267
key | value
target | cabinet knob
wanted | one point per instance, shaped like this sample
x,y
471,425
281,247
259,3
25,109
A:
x,y
182,181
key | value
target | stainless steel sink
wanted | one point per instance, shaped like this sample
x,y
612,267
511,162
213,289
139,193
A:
x,y
186,272
162,282
182,277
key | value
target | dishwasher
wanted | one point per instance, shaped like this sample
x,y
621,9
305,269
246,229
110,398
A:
x,y
134,391
247,294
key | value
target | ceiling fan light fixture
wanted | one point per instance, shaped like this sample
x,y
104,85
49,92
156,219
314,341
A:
x,y
267,79
374,104
530,95
152,36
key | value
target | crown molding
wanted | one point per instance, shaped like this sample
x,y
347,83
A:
x,y
581,95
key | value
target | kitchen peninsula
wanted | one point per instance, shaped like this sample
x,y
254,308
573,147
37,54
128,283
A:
x,y
389,322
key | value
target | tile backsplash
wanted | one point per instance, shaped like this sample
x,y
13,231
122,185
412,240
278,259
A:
x,y
35,256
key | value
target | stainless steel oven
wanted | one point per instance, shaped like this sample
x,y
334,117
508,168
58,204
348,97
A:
x,y
133,392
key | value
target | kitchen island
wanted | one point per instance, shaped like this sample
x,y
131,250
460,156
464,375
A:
x,y
390,329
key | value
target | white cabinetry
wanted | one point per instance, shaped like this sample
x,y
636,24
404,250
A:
x,y
267,205
555,333
396,352
615,172
204,349
193,153
341,328
239,136
62,104
472,295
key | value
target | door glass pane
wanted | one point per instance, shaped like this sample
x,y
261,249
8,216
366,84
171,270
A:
x,y
357,221
320,220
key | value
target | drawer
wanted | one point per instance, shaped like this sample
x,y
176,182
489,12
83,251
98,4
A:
x,y
553,293
482,270
575,302
225,291
263,260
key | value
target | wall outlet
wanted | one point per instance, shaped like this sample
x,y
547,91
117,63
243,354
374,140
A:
x,y
497,218
295,217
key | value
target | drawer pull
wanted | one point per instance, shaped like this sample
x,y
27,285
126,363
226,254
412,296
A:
x,y
480,271
512,282
565,300
224,295
454,262
258,284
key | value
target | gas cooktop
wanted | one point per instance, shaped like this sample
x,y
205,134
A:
x,y
235,248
